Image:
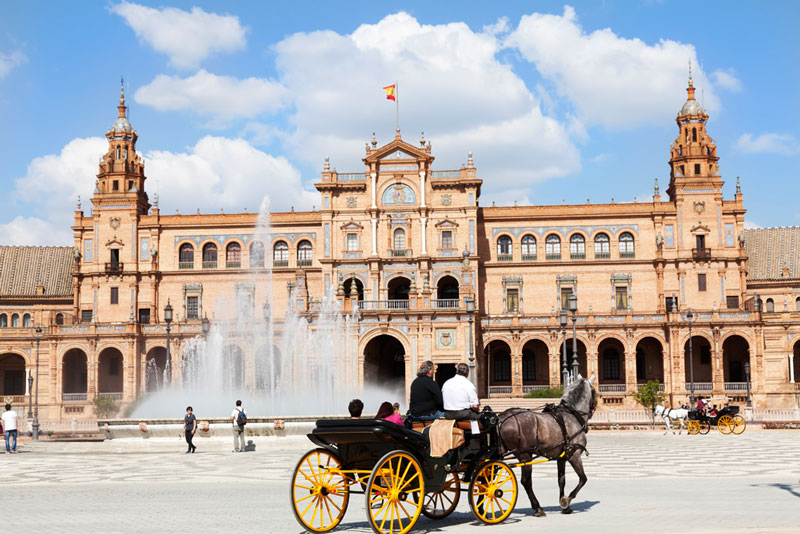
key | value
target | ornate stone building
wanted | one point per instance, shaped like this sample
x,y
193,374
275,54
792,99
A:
x,y
408,248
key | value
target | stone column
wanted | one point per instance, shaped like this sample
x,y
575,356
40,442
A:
x,y
630,372
516,370
791,367
374,237
374,177
423,230
422,188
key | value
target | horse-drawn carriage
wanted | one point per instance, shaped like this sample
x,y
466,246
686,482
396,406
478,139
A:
x,y
727,421
393,468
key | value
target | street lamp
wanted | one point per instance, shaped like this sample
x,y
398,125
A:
x,y
206,324
266,310
562,320
573,308
35,424
470,303
168,320
690,317
747,375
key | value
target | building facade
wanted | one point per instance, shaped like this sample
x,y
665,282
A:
x,y
428,273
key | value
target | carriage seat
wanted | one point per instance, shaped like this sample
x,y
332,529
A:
x,y
419,426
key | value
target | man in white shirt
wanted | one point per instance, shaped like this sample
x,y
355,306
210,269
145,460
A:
x,y
10,426
238,430
460,397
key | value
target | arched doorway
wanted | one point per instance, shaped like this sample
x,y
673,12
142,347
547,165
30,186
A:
x,y
535,368
735,354
110,371
701,361
649,361
582,367
155,364
499,367
73,375
232,368
384,363
611,365
447,292
398,289
268,368
12,374
796,361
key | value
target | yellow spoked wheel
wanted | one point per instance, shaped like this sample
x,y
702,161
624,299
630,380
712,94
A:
x,y
739,424
440,504
493,492
725,424
704,428
319,492
693,427
395,493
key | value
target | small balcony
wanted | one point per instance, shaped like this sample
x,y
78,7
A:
x,y
394,304
114,267
400,253
185,265
602,255
735,386
701,254
73,397
529,257
612,388
304,263
210,264
552,256
505,257
446,303
577,256
233,264
627,255
280,263
699,386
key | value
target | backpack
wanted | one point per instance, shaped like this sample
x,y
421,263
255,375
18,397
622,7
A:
x,y
241,418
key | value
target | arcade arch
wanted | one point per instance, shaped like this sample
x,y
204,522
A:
x,y
110,372
74,372
384,363
701,359
12,374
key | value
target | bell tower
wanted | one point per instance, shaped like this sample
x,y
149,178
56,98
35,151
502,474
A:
x,y
693,156
120,182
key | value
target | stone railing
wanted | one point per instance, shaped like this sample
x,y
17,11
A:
x,y
612,388
445,303
74,397
735,386
394,304
700,386
500,390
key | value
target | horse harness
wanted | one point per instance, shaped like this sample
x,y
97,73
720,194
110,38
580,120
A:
x,y
567,446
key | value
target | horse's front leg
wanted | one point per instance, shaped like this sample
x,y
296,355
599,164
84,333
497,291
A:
x,y
667,425
562,479
577,465
527,483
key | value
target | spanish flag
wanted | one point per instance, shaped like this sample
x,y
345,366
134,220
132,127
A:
x,y
390,92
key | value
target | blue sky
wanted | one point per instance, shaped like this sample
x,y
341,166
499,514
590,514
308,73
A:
x,y
237,101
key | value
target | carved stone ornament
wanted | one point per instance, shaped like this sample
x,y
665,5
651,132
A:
x,y
699,207
115,222
352,202
447,200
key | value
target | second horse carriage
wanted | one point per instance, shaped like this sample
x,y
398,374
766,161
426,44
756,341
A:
x,y
727,421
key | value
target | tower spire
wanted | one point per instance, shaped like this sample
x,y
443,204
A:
x,y
122,108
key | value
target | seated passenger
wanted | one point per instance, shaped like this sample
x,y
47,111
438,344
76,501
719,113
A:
x,y
355,408
386,412
460,397
425,403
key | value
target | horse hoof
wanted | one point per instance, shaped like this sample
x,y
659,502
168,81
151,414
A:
x,y
540,513
564,502
566,510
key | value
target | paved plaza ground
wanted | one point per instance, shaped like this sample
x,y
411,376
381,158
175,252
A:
x,y
639,482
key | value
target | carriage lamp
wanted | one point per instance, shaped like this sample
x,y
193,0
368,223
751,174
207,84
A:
x,y
168,320
562,320
206,324
573,308
747,375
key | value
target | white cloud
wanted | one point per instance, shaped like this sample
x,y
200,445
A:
x,y
186,37
727,79
751,225
768,143
611,81
221,97
34,231
10,61
451,85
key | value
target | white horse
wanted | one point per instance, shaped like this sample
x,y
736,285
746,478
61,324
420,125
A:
x,y
680,415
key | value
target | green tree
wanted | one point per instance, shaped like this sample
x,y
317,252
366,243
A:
x,y
650,396
104,406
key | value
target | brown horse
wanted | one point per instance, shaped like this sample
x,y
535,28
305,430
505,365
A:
x,y
526,434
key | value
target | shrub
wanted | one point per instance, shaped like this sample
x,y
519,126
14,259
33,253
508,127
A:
x,y
649,396
104,406
548,393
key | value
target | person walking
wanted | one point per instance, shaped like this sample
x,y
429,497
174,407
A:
x,y
189,428
10,426
239,419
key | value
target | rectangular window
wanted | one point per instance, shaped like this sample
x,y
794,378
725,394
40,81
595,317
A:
x,y
701,282
512,300
352,242
447,239
144,249
621,297
86,316
729,235
701,242
144,315
115,185
672,303
670,237
114,295
697,168
732,302
565,293
192,307
87,250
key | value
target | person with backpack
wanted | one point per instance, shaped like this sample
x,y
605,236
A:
x,y
239,419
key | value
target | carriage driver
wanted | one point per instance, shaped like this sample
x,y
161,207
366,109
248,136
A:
x,y
425,402
460,397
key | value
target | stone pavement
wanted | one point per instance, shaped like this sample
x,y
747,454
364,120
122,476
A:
x,y
638,482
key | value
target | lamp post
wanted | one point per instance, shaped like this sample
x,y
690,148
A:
x,y
690,317
573,308
747,375
30,396
168,320
206,324
562,320
35,424
470,303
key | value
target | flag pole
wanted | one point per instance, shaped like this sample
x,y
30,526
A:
x,y
397,105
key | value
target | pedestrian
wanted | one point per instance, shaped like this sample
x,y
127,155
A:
x,y
355,408
10,426
189,428
239,419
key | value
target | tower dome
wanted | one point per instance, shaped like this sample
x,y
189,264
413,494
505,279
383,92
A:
x,y
122,125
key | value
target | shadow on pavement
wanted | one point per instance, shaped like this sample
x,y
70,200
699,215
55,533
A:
x,y
794,489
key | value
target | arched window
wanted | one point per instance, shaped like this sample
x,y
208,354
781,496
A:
x,y
256,254
577,247
59,318
15,321
504,248
797,304
770,306
552,247
602,246
694,134
4,319
186,256
280,254
233,256
27,322
304,252
209,256
399,242
626,249
528,247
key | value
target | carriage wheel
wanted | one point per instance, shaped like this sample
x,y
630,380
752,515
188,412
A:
x,y
493,492
394,493
704,428
693,427
725,424
440,504
319,497
738,425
